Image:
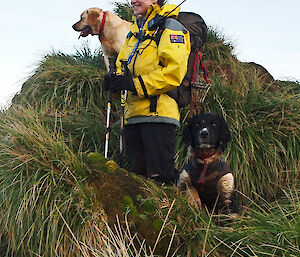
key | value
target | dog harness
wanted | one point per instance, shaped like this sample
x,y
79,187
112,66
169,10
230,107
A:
x,y
193,168
203,157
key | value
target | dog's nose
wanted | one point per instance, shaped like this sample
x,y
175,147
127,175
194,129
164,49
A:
x,y
204,133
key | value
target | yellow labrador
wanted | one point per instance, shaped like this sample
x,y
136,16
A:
x,y
111,29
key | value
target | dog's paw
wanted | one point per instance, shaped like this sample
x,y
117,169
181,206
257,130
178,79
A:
x,y
184,180
193,197
185,184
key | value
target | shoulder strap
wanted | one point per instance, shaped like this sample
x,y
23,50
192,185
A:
x,y
169,23
159,30
129,35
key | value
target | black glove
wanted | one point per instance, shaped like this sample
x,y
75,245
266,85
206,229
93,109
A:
x,y
106,82
120,82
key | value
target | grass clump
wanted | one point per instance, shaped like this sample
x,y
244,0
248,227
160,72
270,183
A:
x,y
46,205
217,47
63,83
263,229
267,228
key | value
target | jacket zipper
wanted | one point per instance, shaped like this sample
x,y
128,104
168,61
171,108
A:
x,y
137,50
133,65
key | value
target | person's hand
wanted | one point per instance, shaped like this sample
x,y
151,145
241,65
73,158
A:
x,y
106,82
120,82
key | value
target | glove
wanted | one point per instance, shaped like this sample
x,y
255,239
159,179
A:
x,y
120,82
106,82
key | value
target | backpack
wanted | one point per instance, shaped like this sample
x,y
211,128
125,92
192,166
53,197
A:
x,y
186,93
198,35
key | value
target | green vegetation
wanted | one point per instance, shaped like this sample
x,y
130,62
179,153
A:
x,y
124,10
60,197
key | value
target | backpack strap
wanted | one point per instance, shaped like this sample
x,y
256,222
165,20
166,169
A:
x,y
129,35
154,25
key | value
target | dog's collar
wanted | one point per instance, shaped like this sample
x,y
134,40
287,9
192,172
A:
x,y
102,24
205,155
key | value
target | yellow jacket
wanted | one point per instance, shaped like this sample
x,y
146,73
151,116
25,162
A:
x,y
156,69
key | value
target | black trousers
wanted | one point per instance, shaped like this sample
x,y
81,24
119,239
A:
x,y
150,150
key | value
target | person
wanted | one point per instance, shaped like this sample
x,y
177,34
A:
x,y
155,69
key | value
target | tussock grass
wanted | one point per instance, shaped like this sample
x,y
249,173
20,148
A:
x,y
218,47
85,130
119,241
46,205
267,229
67,90
64,83
263,229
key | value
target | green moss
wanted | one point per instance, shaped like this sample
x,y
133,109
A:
x,y
96,157
137,178
123,170
111,166
98,163
129,205
148,207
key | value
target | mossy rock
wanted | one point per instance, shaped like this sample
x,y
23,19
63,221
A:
x,y
122,193
96,157
99,164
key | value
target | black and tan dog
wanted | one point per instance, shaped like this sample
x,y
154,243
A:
x,y
206,178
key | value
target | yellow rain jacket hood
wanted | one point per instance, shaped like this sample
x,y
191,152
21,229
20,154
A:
x,y
155,70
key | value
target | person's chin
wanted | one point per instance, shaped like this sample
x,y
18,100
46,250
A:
x,y
138,13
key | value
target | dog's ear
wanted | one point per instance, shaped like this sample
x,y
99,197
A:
x,y
92,17
187,135
225,135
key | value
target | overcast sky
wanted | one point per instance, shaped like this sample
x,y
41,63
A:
x,y
262,31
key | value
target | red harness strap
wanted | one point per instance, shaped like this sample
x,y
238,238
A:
x,y
201,179
102,24
205,72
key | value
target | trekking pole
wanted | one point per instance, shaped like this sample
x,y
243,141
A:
x,y
122,113
112,72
